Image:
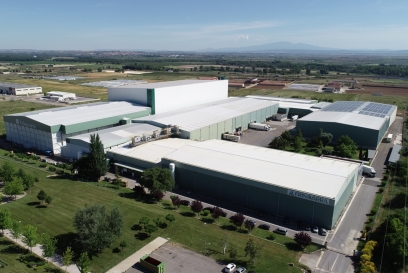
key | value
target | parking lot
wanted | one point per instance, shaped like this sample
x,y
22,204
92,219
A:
x,y
181,260
263,138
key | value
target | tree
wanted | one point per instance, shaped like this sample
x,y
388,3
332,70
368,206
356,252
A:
x,y
48,199
157,179
122,245
7,171
303,239
16,229
41,196
67,257
170,218
224,242
176,201
233,252
96,159
5,219
83,262
117,181
49,245
149,229
252,249
196,206
96,228
326,138
237,219
157,222
346,147
28,181
249,225
217,213
144,221
157,195
30,236
14,187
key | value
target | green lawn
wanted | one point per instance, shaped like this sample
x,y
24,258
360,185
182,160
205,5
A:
x,y
11,253
188,231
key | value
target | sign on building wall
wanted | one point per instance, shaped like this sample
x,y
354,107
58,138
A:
x,y
309,197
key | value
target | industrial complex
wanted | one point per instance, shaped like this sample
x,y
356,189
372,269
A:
x,y
180,125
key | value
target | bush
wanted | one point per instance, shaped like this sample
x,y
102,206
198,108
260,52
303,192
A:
x,y
373,211
32,264
42,165
380,190
51,168
383,183
368,228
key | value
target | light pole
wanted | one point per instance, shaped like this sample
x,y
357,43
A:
x,y
205,239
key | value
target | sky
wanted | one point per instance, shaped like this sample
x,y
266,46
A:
x,y
190,25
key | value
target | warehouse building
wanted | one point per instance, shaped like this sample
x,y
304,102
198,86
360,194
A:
x,y
18,89
211,120
76,146
167,96
61,96
364,122
47,130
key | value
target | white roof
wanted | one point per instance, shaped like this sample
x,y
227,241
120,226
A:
x,y
281,99
308,174
352,119
83,113
167,84
59,93
192,118
152,151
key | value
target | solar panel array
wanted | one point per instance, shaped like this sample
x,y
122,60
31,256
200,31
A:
x,y
364,108
375,110
344,106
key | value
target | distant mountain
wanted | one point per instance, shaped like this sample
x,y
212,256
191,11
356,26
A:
x,y
271,47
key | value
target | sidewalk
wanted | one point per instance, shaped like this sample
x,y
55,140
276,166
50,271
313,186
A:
x,y
135,257
56,259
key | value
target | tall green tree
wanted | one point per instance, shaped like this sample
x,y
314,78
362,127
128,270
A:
x,y
5,219
14,187
96,228
252,250
170,218
67,258
7,171
83,263
16,229
346,147
30,236
157,179
96,159
49,245
41,196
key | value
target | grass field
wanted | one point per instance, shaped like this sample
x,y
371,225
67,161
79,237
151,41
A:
x,y
188,231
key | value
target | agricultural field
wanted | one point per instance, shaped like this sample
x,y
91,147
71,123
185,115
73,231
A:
x,y
187,230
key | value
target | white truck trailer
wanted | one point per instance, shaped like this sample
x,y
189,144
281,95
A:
x,y
231,137
389,138
259,126
369,171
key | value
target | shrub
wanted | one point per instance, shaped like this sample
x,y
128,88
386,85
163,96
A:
x,y
368,228
42,165
32,264
51,168
373,211
383,183
380,190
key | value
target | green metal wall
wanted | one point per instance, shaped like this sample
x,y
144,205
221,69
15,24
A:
x,y
216,130
367,138
341,203
299,112
258,196
78,127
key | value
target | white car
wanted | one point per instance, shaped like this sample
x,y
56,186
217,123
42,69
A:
x,y
230,268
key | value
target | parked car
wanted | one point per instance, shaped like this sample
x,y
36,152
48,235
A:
x,y
315,229
241,270
230,268
252,221
322,231
307,227
264,226
49,153
282,231
185,202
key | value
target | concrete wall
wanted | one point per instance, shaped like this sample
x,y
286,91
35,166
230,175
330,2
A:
x,y
255,195
183,96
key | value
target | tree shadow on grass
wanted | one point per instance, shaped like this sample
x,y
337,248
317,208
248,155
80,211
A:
x,y
229,227
207,220
69,239
5,242
14,249
243,231
188,214
33,203
141,236
41,206
270,237
116,250
293,246
136,227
